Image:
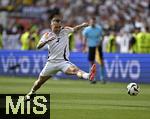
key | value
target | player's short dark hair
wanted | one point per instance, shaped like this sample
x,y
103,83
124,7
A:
x,y
54,12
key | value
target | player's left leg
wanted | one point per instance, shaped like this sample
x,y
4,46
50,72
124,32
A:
x,y
71,69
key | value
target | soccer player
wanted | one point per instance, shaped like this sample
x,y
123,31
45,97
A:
x,y
92,37
58,57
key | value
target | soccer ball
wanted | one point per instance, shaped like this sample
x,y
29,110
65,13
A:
x,y
133,89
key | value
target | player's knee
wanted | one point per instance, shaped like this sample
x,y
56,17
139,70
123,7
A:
x,y
72,70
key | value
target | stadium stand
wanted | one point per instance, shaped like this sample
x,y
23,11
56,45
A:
x,y
121,17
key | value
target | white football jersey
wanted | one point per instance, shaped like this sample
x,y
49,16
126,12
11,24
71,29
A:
x,y
59,47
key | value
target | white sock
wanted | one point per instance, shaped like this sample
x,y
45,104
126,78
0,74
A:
x,y
79,74
85,75
31,92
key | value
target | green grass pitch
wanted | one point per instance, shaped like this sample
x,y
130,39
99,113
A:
x,y
78,99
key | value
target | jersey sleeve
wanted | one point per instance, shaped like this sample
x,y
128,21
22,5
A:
x,y
68,30
43,38
46,36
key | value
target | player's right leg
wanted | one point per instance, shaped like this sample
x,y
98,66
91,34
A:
x,y
37,84
45,74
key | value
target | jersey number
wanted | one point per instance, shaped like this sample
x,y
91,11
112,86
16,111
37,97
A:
x,y
57,40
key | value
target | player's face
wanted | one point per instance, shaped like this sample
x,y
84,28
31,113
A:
x,y
56,24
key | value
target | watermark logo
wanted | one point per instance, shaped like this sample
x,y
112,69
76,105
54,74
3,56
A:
x,y
13,106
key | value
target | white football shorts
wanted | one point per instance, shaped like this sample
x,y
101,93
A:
x,y
52,68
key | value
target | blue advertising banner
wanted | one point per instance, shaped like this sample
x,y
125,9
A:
x,y
22,63
118,67
128,67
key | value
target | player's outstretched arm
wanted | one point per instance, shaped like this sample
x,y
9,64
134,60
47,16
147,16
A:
x,y
78,27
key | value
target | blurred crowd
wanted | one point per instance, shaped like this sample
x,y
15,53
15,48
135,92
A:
x,y
125,23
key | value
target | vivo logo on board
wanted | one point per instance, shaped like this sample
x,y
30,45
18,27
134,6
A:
x,y
118,68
